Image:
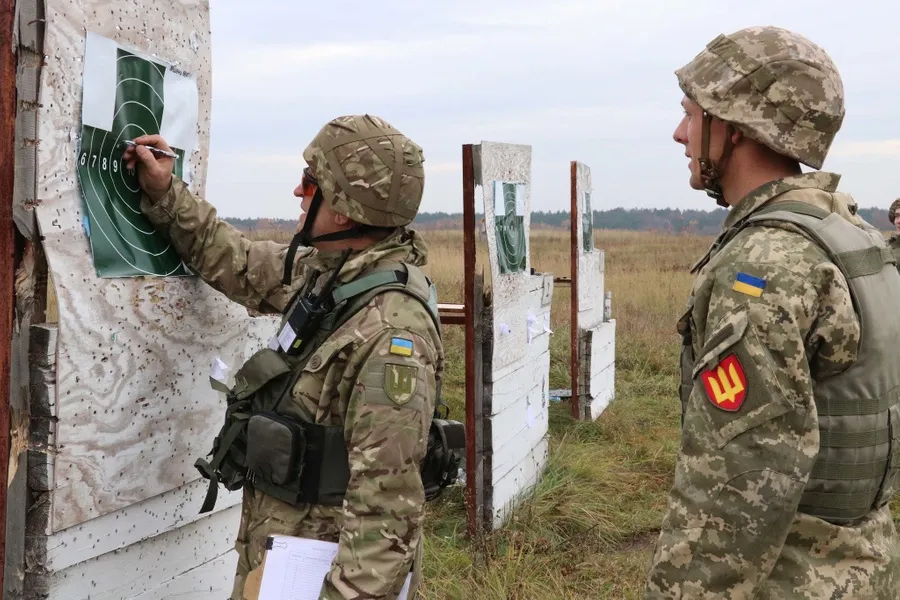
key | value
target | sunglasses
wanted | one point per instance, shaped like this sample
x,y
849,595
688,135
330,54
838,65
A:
x,y
309,182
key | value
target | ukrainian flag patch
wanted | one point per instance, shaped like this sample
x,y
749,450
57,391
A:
x,y
401,346
748,284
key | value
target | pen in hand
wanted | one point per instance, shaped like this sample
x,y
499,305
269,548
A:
x,y
152,149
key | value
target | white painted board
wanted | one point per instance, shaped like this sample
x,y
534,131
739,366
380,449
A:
x,y
136,570
596,337
517,391
134,406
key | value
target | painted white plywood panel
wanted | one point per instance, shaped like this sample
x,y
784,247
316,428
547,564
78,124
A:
x,y
516,399
131,572
134,406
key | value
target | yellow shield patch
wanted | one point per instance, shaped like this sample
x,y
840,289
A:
x,y
400,382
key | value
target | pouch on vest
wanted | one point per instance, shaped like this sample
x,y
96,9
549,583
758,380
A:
x,y
276,448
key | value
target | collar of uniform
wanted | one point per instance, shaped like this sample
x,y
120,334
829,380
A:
x,y
756,199
404,245
763,194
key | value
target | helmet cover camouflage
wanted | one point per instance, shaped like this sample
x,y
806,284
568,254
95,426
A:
x,y
892,211
367,170
773,85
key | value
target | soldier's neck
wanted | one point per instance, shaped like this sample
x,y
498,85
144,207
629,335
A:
x,y
746,172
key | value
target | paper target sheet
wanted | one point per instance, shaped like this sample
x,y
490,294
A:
x,y
509,215
126,95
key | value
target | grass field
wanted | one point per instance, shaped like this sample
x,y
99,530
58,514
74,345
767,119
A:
x,y
588,529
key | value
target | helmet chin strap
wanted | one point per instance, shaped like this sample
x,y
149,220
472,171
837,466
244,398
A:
x,y
710,172
304,238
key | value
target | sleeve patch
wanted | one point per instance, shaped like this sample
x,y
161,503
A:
x,y
401,346
726,384
400,382
748,284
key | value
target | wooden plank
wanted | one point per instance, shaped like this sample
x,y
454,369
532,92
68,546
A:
x,y
602,363
211,581
7,246
134,409
132,525
517,362
591,354
30,30
473,497
132,572
518,483
17,491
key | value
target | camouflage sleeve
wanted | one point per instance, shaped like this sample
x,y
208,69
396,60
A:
x,y
247,272
387,423
750,434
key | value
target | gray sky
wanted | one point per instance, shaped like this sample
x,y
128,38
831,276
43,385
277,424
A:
x,y
582,80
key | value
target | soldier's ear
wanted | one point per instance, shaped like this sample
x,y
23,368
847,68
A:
x,y
341,220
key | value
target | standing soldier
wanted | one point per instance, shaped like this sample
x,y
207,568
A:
x,y
326,428
790,447
894,240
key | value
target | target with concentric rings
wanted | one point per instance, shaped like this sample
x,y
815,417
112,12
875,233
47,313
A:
x,y
509,222
123,241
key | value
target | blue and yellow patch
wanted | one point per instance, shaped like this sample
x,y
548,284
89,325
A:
x,y
748,284
401,347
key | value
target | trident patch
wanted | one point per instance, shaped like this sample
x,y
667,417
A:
x,y
726,384
400,382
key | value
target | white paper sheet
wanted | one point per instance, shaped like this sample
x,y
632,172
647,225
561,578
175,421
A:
x,y
296,567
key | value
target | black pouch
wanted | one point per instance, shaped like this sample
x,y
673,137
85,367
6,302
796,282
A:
x,y
276,449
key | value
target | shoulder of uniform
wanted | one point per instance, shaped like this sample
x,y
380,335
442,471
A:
x,y
775,266
392,310
778,243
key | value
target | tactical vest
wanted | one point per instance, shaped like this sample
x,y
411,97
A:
x,y
300,461
857,468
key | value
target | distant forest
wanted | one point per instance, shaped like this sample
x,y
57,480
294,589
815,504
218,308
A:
x,y
668,220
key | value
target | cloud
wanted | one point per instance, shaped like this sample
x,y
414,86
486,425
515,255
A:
x,y
879,148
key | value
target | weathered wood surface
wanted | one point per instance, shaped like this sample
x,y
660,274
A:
x,y
516,396
155,564
134,405
595,358
29,35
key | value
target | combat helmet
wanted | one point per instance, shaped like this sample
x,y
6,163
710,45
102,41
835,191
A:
x,y
774,86
892,211
366,170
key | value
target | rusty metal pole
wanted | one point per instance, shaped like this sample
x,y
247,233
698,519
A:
x,y
468,174
573,291
7,243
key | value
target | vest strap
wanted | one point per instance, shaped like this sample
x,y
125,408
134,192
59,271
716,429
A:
x,y
366,283
852,471
854,439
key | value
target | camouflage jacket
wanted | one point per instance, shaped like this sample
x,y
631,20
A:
x,y
732,530
379,527
894,243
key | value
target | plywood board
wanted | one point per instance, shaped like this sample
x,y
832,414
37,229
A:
x,y
132,572
593,351
516,398
134,406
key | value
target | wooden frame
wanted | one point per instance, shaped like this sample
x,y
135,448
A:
x,y
592,341
7,248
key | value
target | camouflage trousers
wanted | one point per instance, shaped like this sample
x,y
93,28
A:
x,y
263,515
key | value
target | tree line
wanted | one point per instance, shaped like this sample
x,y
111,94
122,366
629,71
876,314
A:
x,y
669,220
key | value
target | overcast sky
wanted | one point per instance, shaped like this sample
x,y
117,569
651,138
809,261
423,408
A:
x,y
580,80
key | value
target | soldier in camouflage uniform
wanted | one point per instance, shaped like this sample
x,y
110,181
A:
x,y
366,179
894,240
790,445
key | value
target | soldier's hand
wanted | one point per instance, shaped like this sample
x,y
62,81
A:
x,y
154,172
